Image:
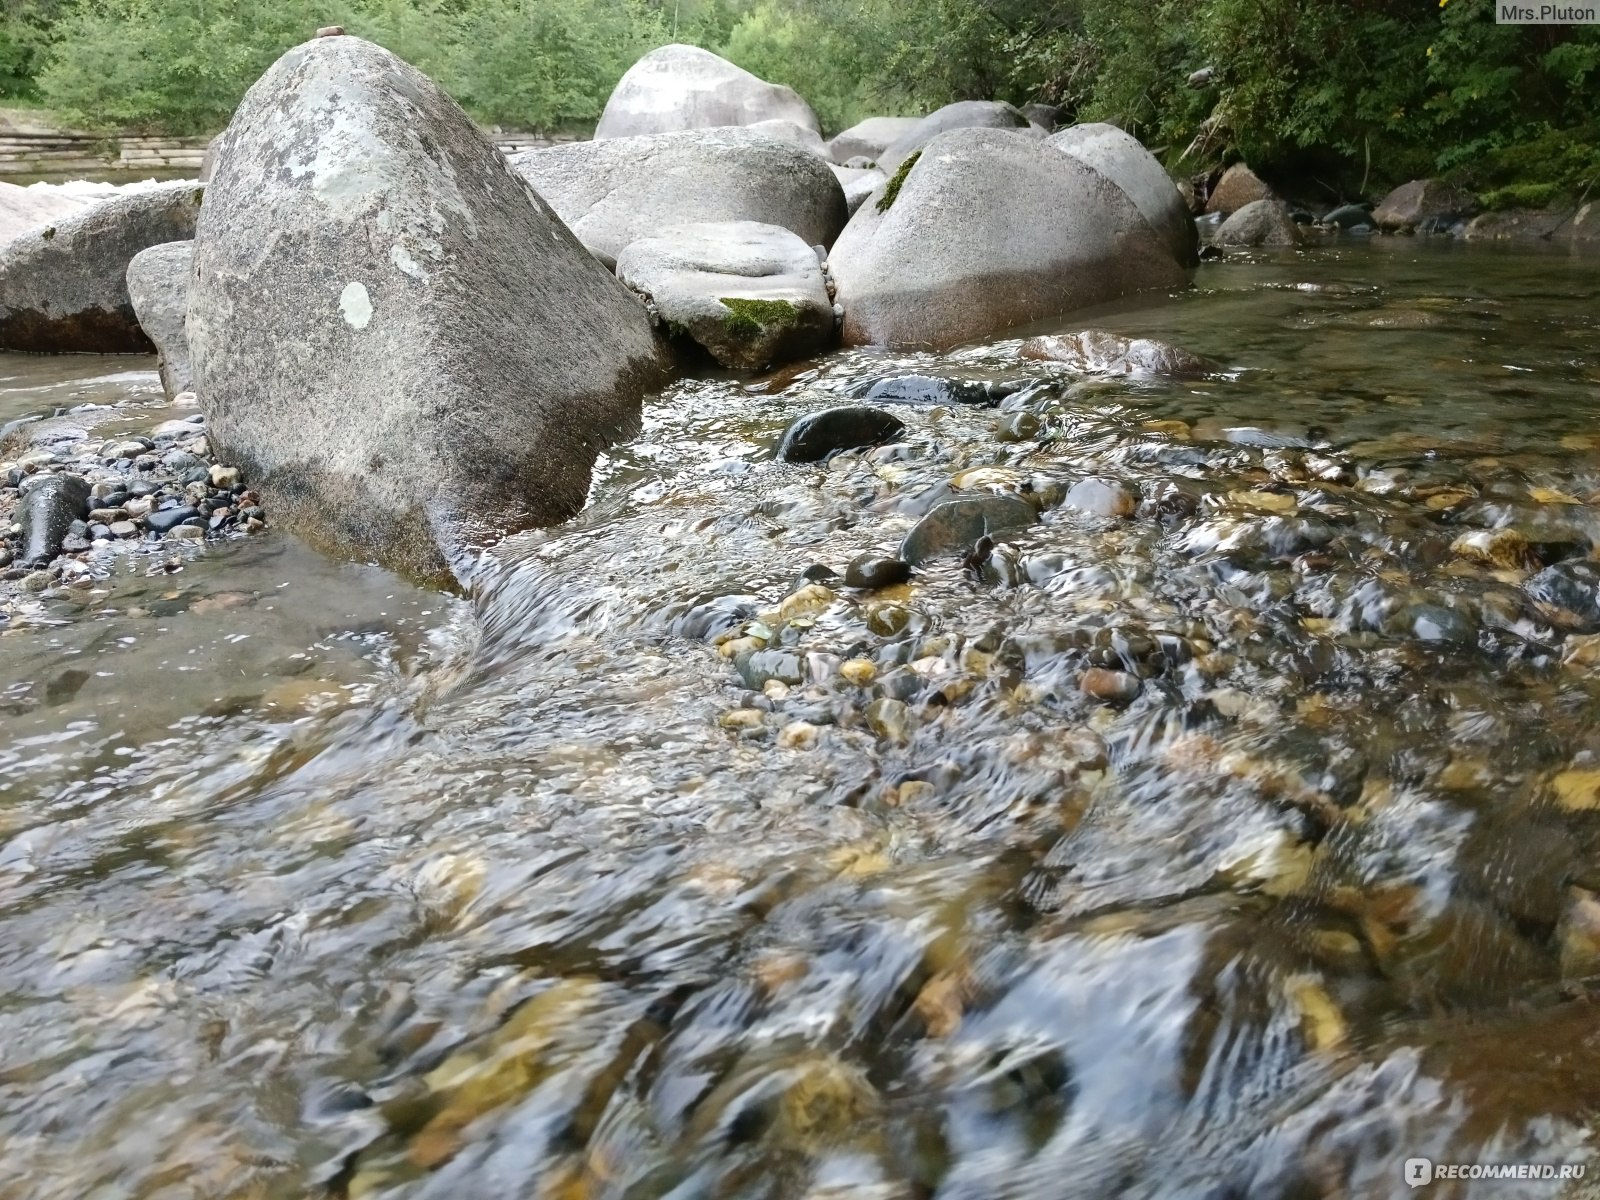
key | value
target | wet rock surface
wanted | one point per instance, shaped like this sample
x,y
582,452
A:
x,y
1096,352
849,427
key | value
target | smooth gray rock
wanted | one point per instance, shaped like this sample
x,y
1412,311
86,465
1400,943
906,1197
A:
x,y
24,208
803,136
858,184
64,286
398,343
990,228
963,114
1260,223
872,571
158,284
684,87
49,508
1121,158
952,529
752,295
614,192
870,138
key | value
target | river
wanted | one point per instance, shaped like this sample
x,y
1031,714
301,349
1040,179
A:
x,y
316,884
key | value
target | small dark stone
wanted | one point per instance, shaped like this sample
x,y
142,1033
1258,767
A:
x,y
876,571
49,510
817,435
200,474
169,518
99,531
143,487
1568,593
927,389
951,529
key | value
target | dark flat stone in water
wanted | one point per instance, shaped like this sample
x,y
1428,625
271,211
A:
x,y
817,435
951,529
1097,352
170,518
876,571
49,508
929,389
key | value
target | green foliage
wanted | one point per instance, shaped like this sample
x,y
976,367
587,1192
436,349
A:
x,y
789,44
25,30
542,63
1360,92
750,318
179,65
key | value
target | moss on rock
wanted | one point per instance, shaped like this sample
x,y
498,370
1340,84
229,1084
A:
x,y
892,188
751,318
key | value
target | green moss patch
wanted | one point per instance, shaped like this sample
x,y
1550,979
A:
x,y
750,318
892,188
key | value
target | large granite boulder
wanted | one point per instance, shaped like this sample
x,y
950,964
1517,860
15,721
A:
x,y
398,342
988,229
64,286
684,87
158,284
1260,223
752,295
963,114
1121,158
1238,187
24,208
1421,202
870,138
803,136
612,193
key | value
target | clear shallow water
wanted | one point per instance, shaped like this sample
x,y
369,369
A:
x,y
312,883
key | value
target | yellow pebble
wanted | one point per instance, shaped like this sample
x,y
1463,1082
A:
x,y
858,671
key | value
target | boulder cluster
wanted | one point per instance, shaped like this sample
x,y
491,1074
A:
x,y
411,345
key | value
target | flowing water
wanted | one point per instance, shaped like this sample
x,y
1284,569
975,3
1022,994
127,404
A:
x,y
652,871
